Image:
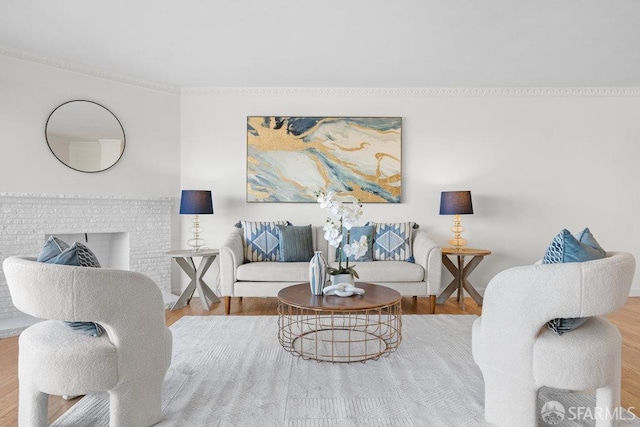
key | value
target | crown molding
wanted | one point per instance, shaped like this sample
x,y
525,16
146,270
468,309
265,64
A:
x,y
84,69
418,92
448,92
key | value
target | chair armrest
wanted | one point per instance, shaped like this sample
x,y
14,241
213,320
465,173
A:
x,y
517,304
542,292
428,255
231,257
519,301
130,307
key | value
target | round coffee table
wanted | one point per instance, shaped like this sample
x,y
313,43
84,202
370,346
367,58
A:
x,y
339,329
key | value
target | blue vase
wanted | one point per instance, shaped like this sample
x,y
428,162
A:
x,y
317,273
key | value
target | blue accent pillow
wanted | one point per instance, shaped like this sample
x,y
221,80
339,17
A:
x,y
354,235
86,328
261,240
585,237
561,325
77,255
296,243
567,248
392,241
52,248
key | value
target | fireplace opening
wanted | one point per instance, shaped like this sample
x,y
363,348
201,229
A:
x,y
111,249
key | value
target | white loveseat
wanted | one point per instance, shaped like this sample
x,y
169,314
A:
x,y
266,279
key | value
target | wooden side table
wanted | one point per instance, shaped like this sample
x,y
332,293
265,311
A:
x,y
460,273
184,258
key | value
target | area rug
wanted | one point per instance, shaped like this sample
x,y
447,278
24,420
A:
x,y
232,371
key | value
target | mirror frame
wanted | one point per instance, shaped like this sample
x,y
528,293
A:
x,y
124,138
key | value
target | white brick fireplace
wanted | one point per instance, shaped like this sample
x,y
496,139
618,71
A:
x,y
127,232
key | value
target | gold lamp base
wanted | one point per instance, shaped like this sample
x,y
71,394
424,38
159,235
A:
x,y
457,242
196,242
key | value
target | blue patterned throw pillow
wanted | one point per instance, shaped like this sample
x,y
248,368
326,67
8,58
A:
x,y
86,257
392,241
567,248
261,240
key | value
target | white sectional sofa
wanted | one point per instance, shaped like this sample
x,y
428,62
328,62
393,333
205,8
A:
x,y
266,279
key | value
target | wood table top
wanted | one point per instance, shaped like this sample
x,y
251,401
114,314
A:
x,y
466,251
375,296
187,253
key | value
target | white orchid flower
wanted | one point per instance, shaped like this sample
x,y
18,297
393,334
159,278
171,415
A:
x,y
332,234
357,248
327,200
344,213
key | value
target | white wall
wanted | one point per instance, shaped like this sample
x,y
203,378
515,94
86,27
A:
x,y
536,161
30,91
150,166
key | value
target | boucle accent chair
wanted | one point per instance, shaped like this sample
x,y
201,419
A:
x,y
129,360
518,353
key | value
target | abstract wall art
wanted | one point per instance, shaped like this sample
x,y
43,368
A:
x,y
289,159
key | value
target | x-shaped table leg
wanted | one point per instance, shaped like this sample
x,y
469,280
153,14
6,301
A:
x,y
197,282
460,273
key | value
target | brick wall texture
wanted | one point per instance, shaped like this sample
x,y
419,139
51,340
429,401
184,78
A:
x,y
27,219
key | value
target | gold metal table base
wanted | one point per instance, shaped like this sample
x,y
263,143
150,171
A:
x,y
340,336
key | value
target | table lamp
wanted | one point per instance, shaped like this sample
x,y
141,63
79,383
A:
x,y
196,202
456,203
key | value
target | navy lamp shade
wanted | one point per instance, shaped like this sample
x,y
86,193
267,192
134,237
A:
x,y
456,203
196,202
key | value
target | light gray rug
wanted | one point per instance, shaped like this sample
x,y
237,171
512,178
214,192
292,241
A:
x,y
231,371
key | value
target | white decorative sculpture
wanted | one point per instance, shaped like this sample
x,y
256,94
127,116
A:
x,y
342,290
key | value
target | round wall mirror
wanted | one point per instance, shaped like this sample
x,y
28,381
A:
x,y
85,136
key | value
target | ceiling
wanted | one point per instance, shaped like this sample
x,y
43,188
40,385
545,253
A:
x,y
337,43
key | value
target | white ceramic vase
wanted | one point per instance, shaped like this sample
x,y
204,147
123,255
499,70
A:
x,y
317,273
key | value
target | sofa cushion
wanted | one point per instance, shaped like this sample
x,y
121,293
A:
x,y
354,235
273,272
261,242
296,243
376,271
392,241
567,248
389,271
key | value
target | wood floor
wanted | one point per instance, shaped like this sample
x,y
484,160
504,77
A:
x,y
627,320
